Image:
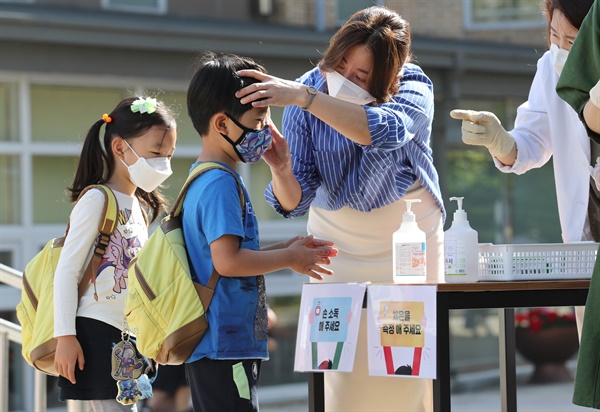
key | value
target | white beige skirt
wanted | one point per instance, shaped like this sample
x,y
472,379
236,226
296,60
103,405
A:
x,y
364,240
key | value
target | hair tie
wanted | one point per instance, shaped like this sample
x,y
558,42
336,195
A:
x,y
106,118
144,105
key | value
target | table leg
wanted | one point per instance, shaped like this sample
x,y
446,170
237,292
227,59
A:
x,y
441,385
508,374
316,392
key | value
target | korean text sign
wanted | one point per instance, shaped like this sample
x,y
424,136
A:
x,y
328,327
401,328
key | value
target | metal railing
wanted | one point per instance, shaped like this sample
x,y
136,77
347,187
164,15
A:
x,y
11,332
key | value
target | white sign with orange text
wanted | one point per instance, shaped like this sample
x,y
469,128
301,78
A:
x,y
401,327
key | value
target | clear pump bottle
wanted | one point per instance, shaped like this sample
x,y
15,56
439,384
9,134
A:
x,y
409,249
461,249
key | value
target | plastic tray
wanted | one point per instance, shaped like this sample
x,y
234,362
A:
x,y
537,261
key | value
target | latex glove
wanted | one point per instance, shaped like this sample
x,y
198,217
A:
x,y
484,129
595,95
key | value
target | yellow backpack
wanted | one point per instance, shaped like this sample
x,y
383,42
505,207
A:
x,y
36,309
165,308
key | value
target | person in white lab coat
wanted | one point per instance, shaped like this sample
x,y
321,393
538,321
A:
x,y
546,126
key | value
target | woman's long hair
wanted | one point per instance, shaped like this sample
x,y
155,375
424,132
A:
x,y
386,34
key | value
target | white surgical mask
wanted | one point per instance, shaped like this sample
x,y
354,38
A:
x,y
340,87
148,174
559,57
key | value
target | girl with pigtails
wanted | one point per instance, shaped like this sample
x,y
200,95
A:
x,y
132,159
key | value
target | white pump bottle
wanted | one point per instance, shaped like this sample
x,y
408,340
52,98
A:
x,y
409,249
461,249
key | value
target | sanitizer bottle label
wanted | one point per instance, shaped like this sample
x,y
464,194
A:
x,y
410,259
455,258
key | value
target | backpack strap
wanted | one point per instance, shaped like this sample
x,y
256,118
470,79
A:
x,y
107,225
206,292
197,172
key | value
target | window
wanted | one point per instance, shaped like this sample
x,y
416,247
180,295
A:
x,y
346,8
65,113
502,14
143,6
51,175
10,210
6,257
8,113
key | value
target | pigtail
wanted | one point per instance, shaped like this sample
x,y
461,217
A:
x,y
97,161
154,201
92,162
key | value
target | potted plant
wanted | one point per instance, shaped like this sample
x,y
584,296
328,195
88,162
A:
x,y
547,337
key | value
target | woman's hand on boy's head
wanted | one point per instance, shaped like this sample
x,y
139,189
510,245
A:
x,y
271,91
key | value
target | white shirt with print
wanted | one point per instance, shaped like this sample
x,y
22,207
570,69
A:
x,y
111,278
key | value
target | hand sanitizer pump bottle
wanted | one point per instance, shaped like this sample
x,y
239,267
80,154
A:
x,y
461,249
409,249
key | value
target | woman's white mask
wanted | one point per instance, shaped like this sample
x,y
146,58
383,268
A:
x,y
148,174
341,88
559,57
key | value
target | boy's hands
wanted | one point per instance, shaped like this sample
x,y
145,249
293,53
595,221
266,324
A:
x,y
320,243
68,354
309,254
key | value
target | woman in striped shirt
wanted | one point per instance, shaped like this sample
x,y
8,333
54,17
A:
x,y
358,128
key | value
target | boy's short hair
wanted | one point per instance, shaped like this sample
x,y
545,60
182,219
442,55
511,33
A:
x,y
213,87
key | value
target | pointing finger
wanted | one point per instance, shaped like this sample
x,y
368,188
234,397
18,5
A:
x,y
463,114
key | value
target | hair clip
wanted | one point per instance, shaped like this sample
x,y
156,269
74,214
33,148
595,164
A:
x,y
144,105
106,118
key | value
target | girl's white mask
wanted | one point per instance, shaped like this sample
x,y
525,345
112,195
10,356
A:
x,y
559,57
148,174
340,87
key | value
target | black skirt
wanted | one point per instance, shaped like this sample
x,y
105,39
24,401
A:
x,y
95,381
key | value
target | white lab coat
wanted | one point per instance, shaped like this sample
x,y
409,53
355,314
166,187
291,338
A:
x,y
547,126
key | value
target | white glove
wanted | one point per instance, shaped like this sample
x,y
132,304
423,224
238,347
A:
x,y
595,95
484,129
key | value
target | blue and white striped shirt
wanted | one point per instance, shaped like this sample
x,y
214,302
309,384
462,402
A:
x,y
334,171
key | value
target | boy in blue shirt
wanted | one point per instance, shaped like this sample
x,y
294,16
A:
x,y
224,368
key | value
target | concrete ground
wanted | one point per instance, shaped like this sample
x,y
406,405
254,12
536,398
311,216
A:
x,y
530,398
479,393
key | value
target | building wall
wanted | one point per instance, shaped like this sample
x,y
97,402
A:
x,y
446,19
432,18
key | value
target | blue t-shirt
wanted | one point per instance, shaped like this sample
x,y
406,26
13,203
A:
x,y
237,316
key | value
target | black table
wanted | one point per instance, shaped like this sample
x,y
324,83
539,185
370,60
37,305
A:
x,y
505,296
